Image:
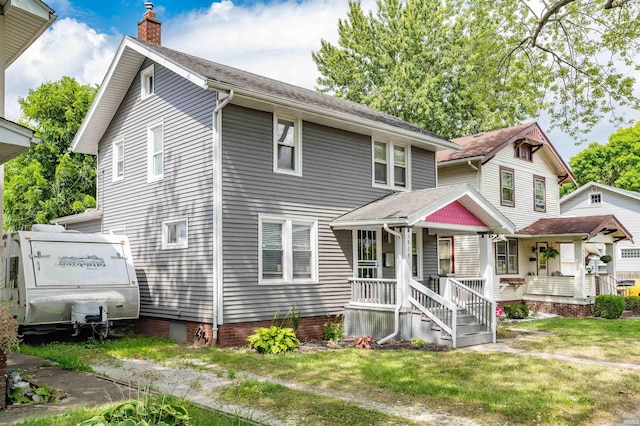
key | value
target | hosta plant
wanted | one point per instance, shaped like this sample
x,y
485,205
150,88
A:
x,y
274,340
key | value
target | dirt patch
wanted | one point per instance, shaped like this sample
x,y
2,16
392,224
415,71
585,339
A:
x,y
325,345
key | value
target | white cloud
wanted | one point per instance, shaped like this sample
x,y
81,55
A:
x,y
69,48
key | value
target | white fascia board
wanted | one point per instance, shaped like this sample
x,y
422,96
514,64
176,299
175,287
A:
x,y
15,134
337,225
459,161
451,227
34,7
77,218
127,43
336,116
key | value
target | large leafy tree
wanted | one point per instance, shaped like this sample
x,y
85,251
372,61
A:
x,y
460,66
48,181
616,163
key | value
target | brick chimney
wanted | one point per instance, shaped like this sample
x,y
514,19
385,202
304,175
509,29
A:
x,y
149,26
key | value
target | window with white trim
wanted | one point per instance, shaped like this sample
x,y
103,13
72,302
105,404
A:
x,y
539,194
595,198
175,233
507,185
147,82
630,253
155,153
287,250
390,165
445,256
416,254
118,160
506,253
287,146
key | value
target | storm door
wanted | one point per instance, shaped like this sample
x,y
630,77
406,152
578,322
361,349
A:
x,y
367,253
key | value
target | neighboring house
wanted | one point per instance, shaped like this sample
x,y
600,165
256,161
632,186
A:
x,y
518,170
243,196
595,199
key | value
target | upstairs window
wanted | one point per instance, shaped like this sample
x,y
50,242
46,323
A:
x,y
287,149
507,186
595,198
390,165
523,151
506,253
539,194
155,153
175,234
118,160
147,82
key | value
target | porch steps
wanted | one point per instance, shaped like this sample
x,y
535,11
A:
x,y
469,331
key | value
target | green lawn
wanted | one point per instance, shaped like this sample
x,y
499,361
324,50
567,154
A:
x,y
489,387
599,339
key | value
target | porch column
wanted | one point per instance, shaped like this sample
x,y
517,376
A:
x,y
405,253
580,279
485,247
610,249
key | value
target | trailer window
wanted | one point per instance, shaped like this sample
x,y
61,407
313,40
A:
x,y
14,269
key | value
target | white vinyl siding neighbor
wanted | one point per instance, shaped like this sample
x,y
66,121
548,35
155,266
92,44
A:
x,y
390,165
155,153
147,82
118,160
175,234
287,250
287,146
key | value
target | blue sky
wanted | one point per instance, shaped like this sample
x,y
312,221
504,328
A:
x,y
274,39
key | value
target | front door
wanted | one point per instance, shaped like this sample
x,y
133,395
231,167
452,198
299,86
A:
x,y
367,253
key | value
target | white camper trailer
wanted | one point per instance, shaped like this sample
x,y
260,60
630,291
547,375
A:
x,y
56,279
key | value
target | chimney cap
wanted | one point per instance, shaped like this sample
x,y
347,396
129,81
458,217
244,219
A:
x,y
148,5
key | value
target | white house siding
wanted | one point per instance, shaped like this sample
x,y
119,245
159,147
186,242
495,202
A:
x,y
625,209
88,227
523,213
336,178
466,256
457,174
176,283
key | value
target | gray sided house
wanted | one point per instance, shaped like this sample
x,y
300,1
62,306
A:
x,y
242,196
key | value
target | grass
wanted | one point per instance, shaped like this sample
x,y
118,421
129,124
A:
x,y
490,387
199,417
598,339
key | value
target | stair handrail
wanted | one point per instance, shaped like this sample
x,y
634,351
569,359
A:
x,y
609,282
486,314
445,304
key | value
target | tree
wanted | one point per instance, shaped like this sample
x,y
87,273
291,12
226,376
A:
x,y
616,164
48,181
458,66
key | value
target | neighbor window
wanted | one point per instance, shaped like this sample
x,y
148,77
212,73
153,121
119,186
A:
x,y
155,150
288,250
523,151
445,255
287,149
506,187
147,82
506,256
595,198
539,194
390,165
175,234
118,160
630,253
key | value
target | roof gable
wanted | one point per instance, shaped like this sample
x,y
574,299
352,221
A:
x,y
591,185
252,89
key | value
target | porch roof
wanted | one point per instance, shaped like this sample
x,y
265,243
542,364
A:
x,y
455,207
14,139
586,226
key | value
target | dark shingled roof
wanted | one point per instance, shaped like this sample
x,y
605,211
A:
x,y
585,225
257,83
482,144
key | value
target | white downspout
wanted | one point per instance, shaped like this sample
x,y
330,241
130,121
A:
x,y
216,154
399,276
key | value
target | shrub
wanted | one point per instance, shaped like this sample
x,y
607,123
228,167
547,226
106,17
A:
x,y
417,342
142,412
608,306
518,311
333,329
8,328
632,303
274,340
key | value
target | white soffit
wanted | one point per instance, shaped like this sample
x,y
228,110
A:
x,y
25,21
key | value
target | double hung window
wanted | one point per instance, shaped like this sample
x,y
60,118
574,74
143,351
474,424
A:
x,y
287,146
118,160
539,194
155,153
507,187
506,256
390,165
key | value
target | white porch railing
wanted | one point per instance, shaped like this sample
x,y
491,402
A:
x,y
475,284
606,284
435,307
482,308
376,291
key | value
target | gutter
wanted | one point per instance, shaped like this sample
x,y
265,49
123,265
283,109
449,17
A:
x,y
216,154
396,311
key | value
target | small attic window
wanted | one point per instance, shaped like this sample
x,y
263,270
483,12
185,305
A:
x,y
522,150
595,198
147,82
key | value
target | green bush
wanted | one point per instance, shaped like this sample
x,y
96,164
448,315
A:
x,y
518,311
146,412
608,306
333,329
632,303
274,340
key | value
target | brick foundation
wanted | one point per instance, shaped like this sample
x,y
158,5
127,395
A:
x,y
235,334
563,309
3,380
